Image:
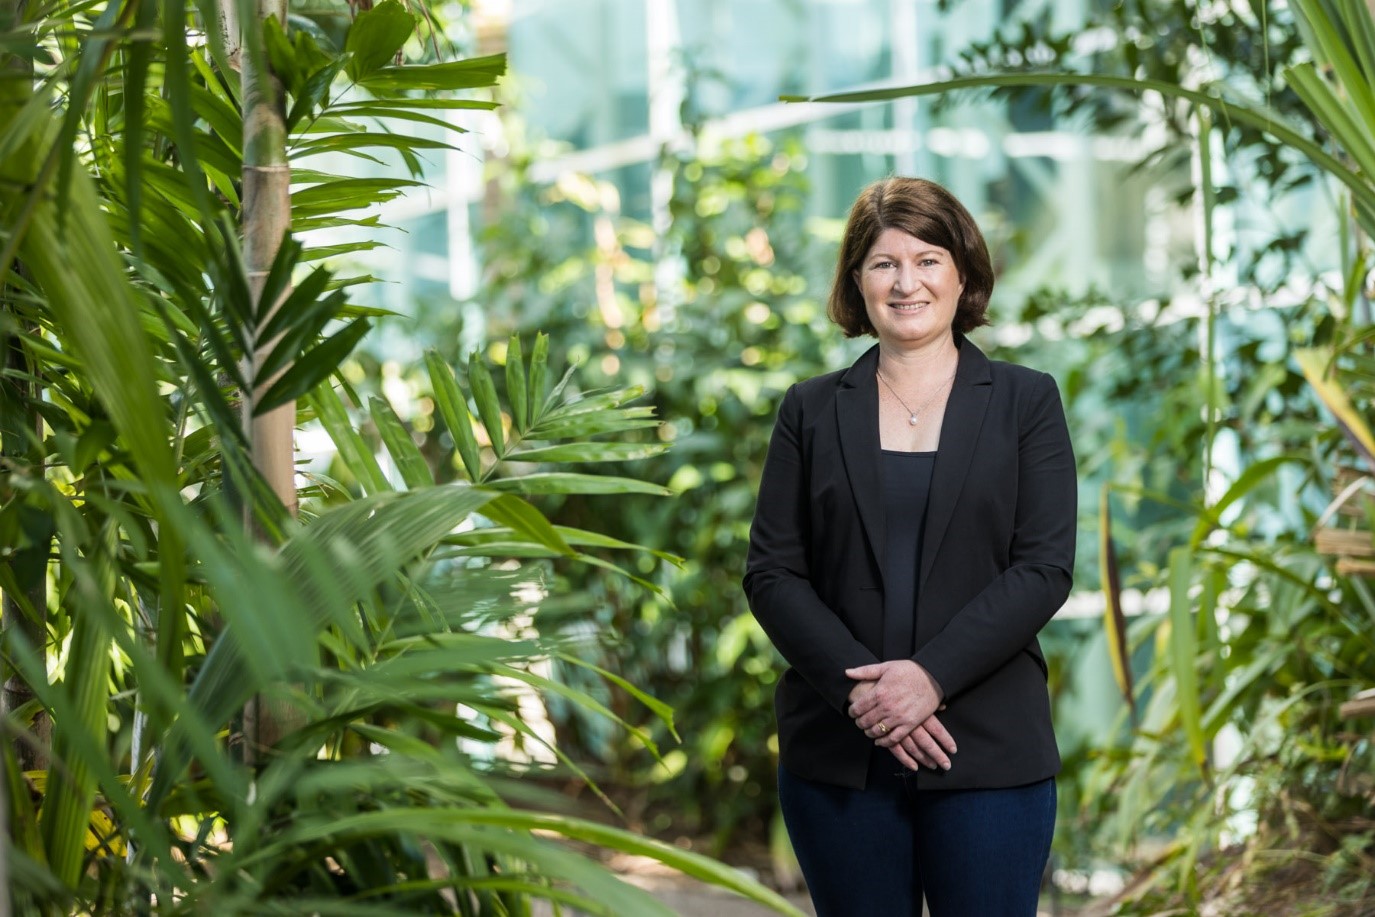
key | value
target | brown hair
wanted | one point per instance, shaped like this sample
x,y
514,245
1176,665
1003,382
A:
x,y
927,211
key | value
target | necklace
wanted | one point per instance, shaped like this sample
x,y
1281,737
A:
x,y
911,414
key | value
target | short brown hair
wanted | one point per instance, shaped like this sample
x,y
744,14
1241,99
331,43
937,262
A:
x,y
924,210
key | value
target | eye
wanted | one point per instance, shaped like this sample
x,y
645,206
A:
x,y
929,262
885,263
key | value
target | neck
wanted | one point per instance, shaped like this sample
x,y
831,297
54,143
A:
x,y
933,358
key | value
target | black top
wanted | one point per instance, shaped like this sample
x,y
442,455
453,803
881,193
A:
x,y
906,488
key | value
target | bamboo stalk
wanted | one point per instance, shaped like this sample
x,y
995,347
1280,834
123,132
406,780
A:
x,y
1363,704
1344,542
266,222
1348,567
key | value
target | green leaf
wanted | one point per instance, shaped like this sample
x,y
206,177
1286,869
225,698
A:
x,y
1184,656
581,698
594,401
660,709
314,93
389,107
281,56
348,194
589,452
569,483
302,309
474,73
1331,49
339,558
1360,25
376,37
138,58
515,385
1259,117
573,536
415,471
220,113
297,338
340,143
452,825
1334,114
1114,620
1316,369
454,409
313,367
68,811
488,407
1254,475
596,423
387,115
356,455
524,519
321,252
278,281
537,390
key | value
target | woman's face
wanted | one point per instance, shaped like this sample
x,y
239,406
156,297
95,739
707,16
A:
x,y
911,289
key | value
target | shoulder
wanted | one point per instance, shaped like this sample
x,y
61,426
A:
x,y
1015,374
817,389
1020,381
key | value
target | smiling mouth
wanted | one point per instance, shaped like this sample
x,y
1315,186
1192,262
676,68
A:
x,y
906,306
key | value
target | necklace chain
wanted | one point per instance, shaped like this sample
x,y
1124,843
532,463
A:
x,y
911,414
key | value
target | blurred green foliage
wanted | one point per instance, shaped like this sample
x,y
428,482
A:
x,y
731,319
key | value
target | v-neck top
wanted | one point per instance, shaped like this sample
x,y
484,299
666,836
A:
x,y
906,491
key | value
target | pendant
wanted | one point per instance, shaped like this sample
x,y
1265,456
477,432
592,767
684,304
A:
x,y
912,420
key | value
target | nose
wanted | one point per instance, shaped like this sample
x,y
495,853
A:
x,y
907,279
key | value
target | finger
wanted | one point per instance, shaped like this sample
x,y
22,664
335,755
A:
x,y
864,705
894,736
868,719
860,691
931,748
920,758
865,672
940,734
904,758
880,731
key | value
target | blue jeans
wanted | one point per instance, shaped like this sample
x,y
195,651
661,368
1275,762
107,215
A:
x,y
876,851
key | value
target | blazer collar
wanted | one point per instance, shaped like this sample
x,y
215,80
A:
x,y
857,420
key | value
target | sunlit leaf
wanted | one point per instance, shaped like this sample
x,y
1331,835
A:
x,y
376,36
454,409
488,407
415,471
515,384
313,367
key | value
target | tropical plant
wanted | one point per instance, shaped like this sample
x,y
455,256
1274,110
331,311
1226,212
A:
x,y
141,338
716,345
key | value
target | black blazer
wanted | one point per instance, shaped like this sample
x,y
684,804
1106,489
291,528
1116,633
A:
x,y
997,560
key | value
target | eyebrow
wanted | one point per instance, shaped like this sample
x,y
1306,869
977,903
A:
x,y
928,251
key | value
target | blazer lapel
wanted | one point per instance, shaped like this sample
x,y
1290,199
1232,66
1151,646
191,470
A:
x,y
964,417
857,421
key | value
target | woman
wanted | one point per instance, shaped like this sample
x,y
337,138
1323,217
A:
x,y
915,529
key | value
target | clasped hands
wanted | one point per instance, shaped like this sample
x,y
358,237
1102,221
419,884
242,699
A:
x,y
894,703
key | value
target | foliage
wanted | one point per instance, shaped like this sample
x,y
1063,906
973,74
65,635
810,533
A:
x,y
713,316
394,623
1244,47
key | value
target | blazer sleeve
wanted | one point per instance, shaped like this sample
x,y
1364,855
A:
x,y
778,578
1006,615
